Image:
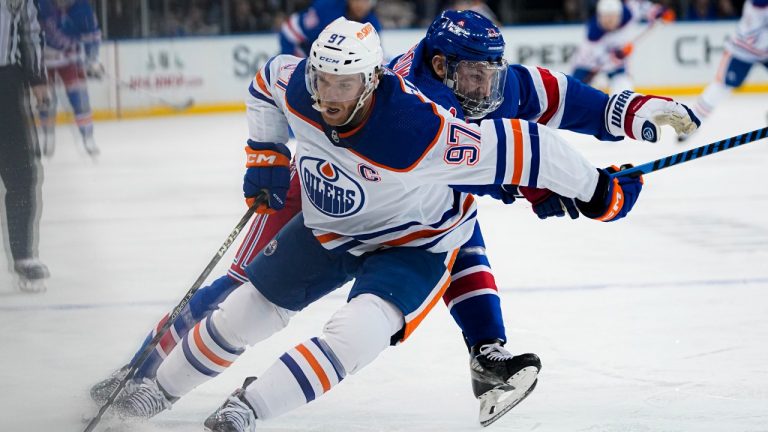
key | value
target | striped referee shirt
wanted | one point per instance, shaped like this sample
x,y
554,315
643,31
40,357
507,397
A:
x,y
21,40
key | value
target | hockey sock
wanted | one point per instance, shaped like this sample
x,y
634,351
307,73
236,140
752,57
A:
x,y
302,374
244,318
473,299
202,354
355,335
204,301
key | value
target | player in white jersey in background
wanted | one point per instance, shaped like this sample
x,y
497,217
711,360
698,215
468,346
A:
x,y
611,33
748,47
375,159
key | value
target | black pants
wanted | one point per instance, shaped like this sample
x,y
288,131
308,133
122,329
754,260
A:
x,y
19,164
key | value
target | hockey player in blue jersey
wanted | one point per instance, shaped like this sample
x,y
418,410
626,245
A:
x,y
301,28
377,208
460,65
72,39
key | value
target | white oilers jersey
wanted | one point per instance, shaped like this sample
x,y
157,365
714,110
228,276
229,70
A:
x,y
384,183
750,44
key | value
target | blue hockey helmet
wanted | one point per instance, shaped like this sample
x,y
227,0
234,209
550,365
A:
x,y
475,67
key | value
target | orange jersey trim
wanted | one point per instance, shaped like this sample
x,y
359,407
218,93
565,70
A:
x,y
518,136
429,232
411,325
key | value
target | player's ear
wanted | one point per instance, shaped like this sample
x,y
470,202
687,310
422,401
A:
x,y
438,65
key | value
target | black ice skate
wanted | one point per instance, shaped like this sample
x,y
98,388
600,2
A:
x,y
501,381
235,415
101,390
31,274
143,399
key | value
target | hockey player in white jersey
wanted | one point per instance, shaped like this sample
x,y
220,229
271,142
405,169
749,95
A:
x,y
611,34
375,159
748,47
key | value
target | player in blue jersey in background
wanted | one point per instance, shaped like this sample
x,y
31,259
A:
x,y
302,28
611,34
72,39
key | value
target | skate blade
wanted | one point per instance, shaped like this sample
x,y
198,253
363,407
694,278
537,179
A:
x,y
498,401
32,287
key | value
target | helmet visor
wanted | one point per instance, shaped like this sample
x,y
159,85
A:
x,y
329,87
479,85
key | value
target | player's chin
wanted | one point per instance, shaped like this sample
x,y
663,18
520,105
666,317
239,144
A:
x,y
334,116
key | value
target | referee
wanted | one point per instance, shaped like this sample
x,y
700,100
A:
x,y
21,68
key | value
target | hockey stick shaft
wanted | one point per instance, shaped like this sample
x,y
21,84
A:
x,y
176,311
698,152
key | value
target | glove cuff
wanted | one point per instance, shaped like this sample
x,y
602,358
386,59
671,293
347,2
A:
x,y
618,117
596,206
263,154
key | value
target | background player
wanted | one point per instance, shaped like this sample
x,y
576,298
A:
x,y
748,47
302,28
72,39
610,36
343,122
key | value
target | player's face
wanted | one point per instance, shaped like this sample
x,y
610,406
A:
x,y
337,95
609,21
475,80
359,9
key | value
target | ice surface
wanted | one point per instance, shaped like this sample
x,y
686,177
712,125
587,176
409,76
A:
x,y
656,323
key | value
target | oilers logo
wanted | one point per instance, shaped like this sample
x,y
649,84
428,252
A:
x,y
331,190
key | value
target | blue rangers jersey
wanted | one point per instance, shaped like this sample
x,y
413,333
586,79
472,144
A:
x,y
532,93
384,183
70,33
302,28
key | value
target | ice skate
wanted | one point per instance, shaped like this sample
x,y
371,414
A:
x,y
101,390
49,142
500,380
31,273
90,146
143,400
235,415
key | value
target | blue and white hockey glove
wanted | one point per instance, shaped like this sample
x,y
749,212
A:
x,y
267,170
641,117
614,197
546,203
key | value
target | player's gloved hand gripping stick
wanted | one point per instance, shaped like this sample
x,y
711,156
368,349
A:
x,y
259,200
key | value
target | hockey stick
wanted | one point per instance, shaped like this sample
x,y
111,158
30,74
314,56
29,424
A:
x,y
705,150
176,106
260,199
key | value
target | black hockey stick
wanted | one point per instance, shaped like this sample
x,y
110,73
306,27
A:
x,y
260,199
689,155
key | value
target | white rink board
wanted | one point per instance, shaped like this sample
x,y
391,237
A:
x,y
216,70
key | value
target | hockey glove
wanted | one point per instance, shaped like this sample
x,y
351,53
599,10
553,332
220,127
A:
x,y
505,193
640,117
620,53
546,203
614,197
267,170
